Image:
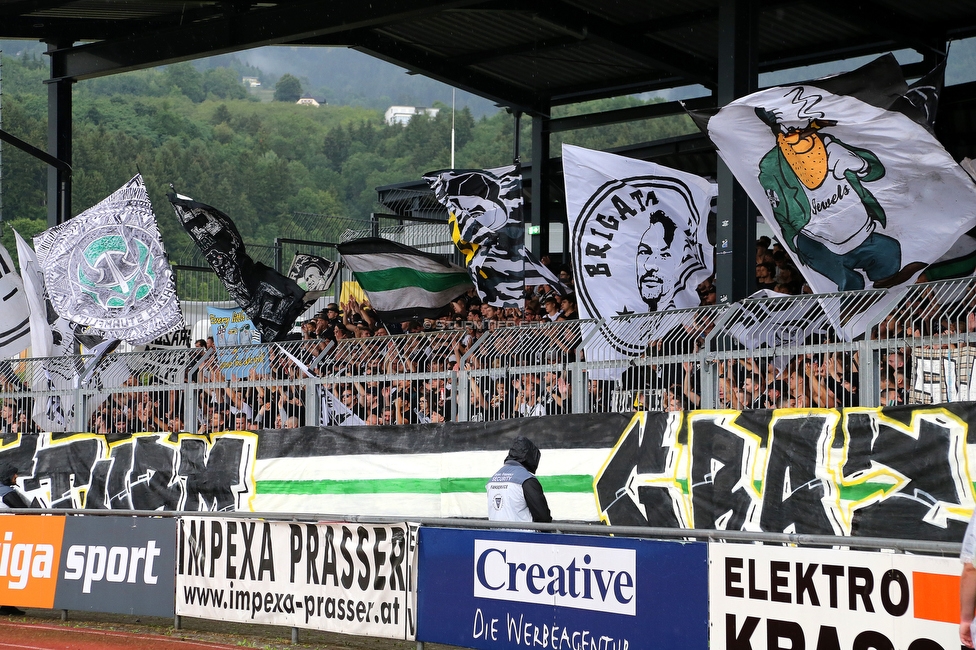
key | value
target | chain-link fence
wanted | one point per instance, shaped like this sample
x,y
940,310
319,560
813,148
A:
x,y
867,348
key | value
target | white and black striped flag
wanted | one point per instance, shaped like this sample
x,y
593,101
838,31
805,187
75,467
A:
x,y
488,227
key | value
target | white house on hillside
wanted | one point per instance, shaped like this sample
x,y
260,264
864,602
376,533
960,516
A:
x,y
251,82
308,100
402,114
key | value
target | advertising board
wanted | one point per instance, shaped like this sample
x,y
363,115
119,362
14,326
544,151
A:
x,y
824,599
121,565
498,589
30,553
336,577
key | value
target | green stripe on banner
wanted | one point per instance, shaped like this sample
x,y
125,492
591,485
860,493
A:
x,y
563,483
406,278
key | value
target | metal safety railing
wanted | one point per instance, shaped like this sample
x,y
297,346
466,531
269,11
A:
x,y
867,348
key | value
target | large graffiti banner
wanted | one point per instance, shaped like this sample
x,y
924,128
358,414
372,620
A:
x,y
892,472
145,471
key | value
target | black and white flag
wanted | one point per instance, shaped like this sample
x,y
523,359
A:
x,y
106,269
14,311
846,173
270,299
638,239
313,274
57,343
487,225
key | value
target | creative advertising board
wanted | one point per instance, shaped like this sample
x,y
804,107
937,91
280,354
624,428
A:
x,y
499,590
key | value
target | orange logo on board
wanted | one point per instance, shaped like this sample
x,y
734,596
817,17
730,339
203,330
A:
x,y
30,551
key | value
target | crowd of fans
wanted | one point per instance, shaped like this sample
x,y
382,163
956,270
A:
x,y
347,367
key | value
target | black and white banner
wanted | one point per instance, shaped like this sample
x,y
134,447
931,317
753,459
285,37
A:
x,y
107,269
14,310
337,577
272,300
638,239
143,471
313,274
487,225
865,472
860,194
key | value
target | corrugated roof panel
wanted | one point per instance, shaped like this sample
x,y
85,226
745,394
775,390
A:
x,y
926,12
105,10
458,33
776,33
635,11
569,66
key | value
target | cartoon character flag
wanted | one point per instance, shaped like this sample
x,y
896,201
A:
x,y
846,173
106,269
638,239
485,208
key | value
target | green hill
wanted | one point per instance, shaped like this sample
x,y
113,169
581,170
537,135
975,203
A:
x,y
269,165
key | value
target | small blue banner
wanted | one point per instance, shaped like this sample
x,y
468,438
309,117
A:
x,y
504,590
234,335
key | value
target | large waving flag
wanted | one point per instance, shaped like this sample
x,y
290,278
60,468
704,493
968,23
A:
x,y
403,283
638,239
14,310
42,337
272,300
847,174
58,342
106,269
487,225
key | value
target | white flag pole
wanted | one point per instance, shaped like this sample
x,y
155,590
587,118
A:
x,y
453,97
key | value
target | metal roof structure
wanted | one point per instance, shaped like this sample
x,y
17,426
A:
x,y
527,55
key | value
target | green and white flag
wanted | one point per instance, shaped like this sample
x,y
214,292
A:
x,y
403,283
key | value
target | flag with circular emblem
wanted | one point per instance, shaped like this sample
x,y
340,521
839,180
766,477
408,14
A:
x,y
107,269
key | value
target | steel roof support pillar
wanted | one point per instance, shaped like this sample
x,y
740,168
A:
x,y
735,233
539,244
59,134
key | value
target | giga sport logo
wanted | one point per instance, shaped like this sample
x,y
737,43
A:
x,y
594,578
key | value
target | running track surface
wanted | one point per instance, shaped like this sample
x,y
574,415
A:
x,y
25,636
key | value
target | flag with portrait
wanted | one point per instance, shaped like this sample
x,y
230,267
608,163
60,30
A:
x,y
638,240
314,275
487,225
